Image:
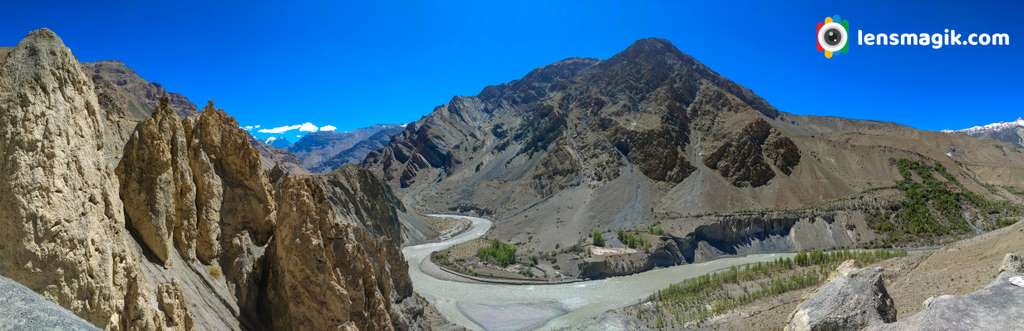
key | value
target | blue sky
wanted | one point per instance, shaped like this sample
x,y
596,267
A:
x,y
363,62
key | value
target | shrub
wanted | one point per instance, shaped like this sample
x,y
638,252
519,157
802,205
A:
x,y
214,271
499,253
934,206
631,240
598,238
656,230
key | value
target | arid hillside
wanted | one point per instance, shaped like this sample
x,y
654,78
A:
x,y
652,136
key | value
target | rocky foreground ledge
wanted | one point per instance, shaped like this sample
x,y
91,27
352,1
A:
x,y
27,310
857,299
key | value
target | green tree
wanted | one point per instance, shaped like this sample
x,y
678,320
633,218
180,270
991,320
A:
x,y
598,238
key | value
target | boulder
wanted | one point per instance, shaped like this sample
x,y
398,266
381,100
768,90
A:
x,y
852,300
998,306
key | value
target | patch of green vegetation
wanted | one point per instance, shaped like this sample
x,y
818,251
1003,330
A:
x,y
812,258
632,240
703,297
441,258
598,238
934,203
499,253
1014,190
1006,221
656,229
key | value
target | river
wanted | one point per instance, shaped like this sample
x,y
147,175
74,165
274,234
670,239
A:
x,y
482,306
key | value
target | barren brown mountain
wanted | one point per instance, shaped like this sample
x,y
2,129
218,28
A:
x,y
652,136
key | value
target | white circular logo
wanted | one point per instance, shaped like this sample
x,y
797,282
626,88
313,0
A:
x,y
832,37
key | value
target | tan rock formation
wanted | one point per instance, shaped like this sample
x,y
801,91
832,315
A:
x,y
157,185
336,264
59,206
201,213
172,303
197,182
160,308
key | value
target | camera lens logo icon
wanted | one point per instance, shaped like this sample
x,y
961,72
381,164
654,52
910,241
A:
x,y
833,36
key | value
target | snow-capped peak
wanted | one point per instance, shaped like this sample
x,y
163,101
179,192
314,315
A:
x,y
991,127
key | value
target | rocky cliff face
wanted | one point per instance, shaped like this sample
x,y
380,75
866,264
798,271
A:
x,y
336,260
733,235
196,187
185,232
747,158
59,201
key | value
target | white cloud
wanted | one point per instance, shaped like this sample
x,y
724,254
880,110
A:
x,y
280,129
270,140
251,127
304,127
308,127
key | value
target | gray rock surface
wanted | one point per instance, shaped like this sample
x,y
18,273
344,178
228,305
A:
x,y
998,306
1013,263
23,309
852,300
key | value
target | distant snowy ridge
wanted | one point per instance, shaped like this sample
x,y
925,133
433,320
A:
x,y
990,127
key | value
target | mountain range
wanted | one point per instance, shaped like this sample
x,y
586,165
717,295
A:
x,y
1011,132
328,150
652,136
131,209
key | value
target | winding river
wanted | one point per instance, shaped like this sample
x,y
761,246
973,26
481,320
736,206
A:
x,y
483,306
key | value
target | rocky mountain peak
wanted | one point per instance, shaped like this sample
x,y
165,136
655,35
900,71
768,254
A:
x,y
43,37
645,114
648,49
43,49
